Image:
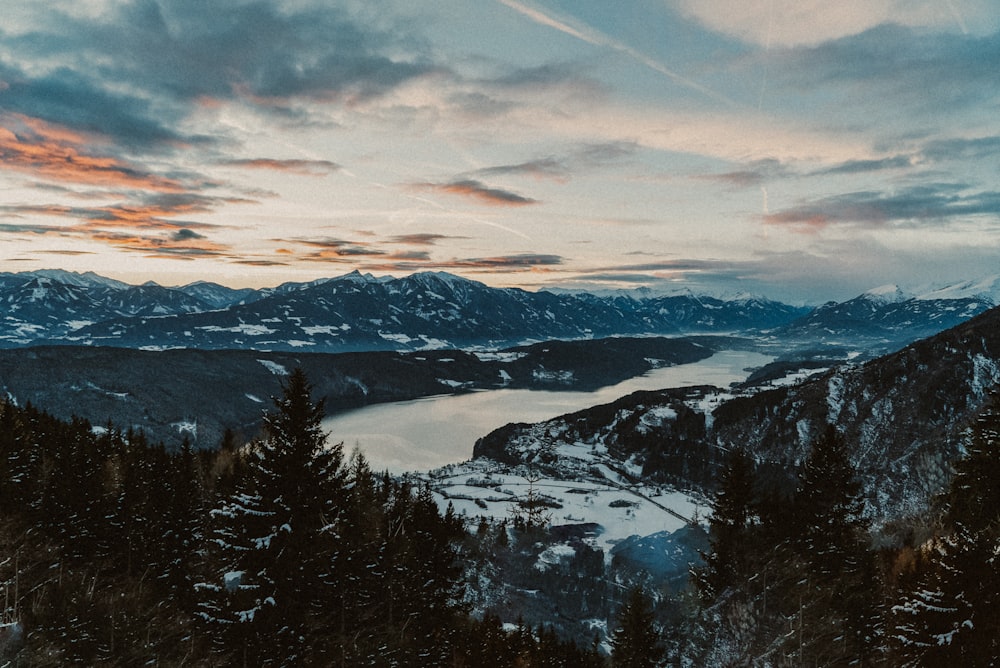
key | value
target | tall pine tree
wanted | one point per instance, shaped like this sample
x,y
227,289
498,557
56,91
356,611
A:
x,y
274,538
636,641
732,513
949,614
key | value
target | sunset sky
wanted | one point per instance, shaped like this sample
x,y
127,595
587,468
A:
x,y
801,149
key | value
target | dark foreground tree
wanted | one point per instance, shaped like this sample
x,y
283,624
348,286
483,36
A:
x,y
732,513
273,538
636,641
949,610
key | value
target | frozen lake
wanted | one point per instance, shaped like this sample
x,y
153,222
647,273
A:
x,y
423,434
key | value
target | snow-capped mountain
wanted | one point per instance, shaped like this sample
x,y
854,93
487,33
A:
x,y
215,295
892,316
983,289
439,310
351,312
50,304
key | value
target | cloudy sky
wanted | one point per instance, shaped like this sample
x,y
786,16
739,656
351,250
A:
x,y
801,149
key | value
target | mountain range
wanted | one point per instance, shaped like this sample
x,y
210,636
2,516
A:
x,y
437,310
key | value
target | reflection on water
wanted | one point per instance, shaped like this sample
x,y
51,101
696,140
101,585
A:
x,y
427,433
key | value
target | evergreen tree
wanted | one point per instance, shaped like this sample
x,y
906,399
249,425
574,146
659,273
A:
x,y
732,513
828,506
950,611
833,540
636,640
275,535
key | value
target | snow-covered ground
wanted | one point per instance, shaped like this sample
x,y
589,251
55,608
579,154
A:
x,y
588,488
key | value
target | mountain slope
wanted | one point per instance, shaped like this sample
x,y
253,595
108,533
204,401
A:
x,y
432,310
889,316
360,312
904,414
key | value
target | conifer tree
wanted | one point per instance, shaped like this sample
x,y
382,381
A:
x,y
636,640
833,540
828,506
275,536
949,613
732,512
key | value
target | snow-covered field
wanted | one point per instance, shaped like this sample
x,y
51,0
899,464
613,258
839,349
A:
x,y
587,488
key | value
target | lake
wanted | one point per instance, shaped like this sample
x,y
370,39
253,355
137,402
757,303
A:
x,y
427,433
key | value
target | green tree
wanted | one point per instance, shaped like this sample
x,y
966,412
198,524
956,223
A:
x,y
732,514
828,506
948,613
834,542
636,640
274,538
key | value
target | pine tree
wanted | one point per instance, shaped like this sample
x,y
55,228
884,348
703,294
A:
x,y
828,506
732,512
636,640
841,596
275,536
949,613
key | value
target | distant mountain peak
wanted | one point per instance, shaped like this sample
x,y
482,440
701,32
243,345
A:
x,y
887,294
85,280
987,289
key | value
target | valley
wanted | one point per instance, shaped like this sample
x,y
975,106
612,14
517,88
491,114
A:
x,y
578,464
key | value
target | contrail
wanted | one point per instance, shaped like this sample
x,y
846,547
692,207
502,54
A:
x,y
958,17
596,38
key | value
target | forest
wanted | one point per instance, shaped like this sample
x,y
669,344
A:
x,y
287,551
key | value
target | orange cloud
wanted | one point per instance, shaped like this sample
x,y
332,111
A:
x,y
178,244
55,153
476,190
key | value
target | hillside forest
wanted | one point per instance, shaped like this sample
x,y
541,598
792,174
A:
x,y
287,551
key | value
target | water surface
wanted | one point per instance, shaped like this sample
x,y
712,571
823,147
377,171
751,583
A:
x,y
427,433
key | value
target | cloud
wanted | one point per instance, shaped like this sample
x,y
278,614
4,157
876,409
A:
x,y
254,262
178,245
802,22
560,168
864,166
420,239
754,175
331,249
60,154
185,234
20,228
305,167
901,64
918,204
73,99
542,168
250,50
976,148
154,212
592,36
520,261
476,190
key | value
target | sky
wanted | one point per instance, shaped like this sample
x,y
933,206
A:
x,y
797,149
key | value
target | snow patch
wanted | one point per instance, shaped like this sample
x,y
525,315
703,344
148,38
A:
x,y
274,367
499,356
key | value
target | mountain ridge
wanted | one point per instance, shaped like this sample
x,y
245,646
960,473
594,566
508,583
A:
x,y
436,310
